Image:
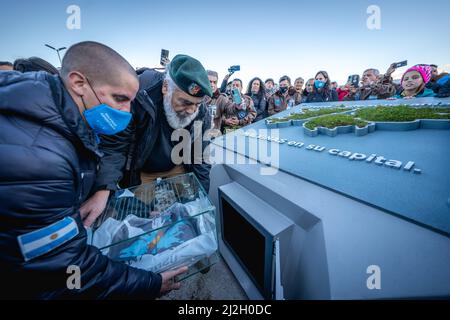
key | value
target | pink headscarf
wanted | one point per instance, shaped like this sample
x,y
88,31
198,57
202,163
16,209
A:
x,y
423,69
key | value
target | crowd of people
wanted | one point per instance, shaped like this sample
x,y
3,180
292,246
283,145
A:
x,y
71,137
233,107
263,99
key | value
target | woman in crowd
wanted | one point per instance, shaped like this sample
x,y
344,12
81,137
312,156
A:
x,y
322,91
256,90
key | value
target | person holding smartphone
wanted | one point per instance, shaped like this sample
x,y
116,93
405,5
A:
x,y
241,111
225,83
374,85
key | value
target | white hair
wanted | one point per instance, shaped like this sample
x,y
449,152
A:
x,y
176,120
376,72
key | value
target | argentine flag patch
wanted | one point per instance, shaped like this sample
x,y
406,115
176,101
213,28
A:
x,y
39,242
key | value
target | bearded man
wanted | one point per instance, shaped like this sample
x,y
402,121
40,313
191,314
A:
x,y
165,136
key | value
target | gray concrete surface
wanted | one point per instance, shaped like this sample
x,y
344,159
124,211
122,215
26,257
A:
x,y
218,284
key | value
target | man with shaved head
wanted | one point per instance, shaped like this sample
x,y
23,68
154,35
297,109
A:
x,y
51,127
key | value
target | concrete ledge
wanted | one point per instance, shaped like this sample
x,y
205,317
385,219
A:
x,y
438,124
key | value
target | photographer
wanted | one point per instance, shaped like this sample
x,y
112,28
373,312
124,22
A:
x,y
374,86
241,111
225,83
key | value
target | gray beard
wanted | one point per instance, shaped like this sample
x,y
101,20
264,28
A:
x,y
175,120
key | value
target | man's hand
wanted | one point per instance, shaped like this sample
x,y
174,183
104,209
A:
x,y
228,75
233,121
93,207
352,89
165,61
168,280
391,69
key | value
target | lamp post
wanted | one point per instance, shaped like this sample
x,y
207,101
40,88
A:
x,y
57,51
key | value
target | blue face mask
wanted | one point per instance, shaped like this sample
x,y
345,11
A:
x,y
319,84
104,119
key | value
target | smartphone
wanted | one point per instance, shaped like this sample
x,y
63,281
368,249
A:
x,y
236,96
233,69
164,55
401,64
354,80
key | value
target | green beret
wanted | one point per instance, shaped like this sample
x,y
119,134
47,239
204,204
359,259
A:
x,y
190,76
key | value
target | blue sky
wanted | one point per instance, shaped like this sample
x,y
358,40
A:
x,y
267,38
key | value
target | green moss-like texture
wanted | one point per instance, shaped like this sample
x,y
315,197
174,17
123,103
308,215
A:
x,y
402,113
333,121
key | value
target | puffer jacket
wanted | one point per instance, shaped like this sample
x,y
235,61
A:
x,y
322,95
48,162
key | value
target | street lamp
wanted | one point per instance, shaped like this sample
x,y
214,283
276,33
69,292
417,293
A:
x,y
57,51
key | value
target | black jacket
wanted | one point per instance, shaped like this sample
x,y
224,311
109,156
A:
x,y
145,145
48,161
325,95
260,104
